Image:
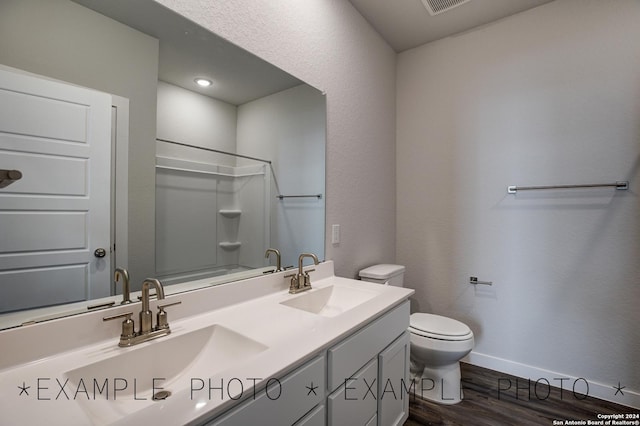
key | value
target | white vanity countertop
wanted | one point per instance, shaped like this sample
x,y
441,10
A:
x,y
37,391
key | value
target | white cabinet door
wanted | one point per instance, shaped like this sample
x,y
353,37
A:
x,y
354,403
54,218
394,383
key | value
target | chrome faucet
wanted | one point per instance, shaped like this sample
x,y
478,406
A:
x,y
126,298
302,281
278,258
146,332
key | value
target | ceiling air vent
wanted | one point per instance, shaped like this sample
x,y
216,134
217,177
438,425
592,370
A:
x,y
436,7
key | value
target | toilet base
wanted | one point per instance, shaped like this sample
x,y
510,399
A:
x,y
441,385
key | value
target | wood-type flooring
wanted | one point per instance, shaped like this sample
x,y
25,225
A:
x,y
492,398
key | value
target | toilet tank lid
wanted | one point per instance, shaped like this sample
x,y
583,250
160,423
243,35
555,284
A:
x,y
382,272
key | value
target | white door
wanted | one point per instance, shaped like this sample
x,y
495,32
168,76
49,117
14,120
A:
x,y
57,215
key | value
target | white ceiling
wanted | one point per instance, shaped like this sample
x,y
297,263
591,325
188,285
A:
x,y
405,24
188,51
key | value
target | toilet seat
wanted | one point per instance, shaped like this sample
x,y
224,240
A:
x,y
438,327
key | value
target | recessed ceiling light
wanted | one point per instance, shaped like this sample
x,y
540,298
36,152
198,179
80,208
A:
x,y
203,82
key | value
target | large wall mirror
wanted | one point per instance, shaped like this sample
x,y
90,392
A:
x,y
201,181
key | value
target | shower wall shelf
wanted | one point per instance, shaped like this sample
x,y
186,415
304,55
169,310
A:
x,y
183,169
620,185
230,245
230,212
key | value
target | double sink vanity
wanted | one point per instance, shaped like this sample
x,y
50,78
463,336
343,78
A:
x,y
247,352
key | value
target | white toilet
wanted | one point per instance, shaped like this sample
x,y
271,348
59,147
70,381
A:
x,y
437,344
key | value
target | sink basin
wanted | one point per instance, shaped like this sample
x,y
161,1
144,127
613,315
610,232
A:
x,y
330,301
126,382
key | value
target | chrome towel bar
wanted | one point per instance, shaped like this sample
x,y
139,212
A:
x,y
281,197
620,185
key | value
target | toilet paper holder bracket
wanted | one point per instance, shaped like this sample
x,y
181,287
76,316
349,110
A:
x,y
475,281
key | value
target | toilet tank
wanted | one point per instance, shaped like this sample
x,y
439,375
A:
x,y
384,274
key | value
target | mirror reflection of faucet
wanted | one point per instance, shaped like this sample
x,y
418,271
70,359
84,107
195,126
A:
x,y
302,281
279,267
125,284
147,331
278,258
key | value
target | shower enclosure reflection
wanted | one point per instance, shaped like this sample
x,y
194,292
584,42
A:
x,y
217,209
212,215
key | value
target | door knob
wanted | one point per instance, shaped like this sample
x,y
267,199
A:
x,y
7,177
100,252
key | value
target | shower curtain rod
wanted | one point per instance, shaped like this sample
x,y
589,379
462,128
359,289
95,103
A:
x,y
214,150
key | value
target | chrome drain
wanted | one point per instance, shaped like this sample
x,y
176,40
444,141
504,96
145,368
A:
x,y
159,396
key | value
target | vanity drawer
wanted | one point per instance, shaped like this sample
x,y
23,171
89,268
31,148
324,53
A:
x,y
294,402
351,354
356,399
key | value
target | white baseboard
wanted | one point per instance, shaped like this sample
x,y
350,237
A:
x,y
562,382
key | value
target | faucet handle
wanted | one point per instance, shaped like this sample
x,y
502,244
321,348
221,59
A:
x,y
127,324
307,278
162,320
112,317
161,307
295,282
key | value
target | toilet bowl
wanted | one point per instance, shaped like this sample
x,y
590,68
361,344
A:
x,y
437,344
